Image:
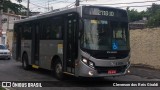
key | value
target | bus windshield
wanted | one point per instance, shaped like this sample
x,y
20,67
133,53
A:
x,y
105,35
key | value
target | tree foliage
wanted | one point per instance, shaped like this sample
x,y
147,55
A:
x,y
134,15
152,13
16,8
154,16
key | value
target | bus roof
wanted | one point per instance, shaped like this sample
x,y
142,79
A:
x,y
58,12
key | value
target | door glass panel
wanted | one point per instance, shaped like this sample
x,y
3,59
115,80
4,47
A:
x,y
71,40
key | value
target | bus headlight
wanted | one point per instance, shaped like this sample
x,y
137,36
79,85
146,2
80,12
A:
x,y
84,60
88,62
91,64
91,73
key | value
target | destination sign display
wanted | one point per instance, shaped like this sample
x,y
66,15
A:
x,y
104,12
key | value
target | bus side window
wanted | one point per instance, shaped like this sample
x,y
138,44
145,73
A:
x,y
45,30
56,31
59,32
53,31
48,30
42,30
26,31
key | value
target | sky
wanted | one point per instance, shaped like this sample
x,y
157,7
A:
x,y
48,5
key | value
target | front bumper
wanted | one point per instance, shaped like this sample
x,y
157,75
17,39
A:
x,y
101,71
5,56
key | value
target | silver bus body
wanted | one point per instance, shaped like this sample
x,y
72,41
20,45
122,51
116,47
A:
x,y
51,49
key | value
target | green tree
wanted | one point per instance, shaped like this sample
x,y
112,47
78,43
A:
x,y
134,15
16,8
154,21
154,15
153,9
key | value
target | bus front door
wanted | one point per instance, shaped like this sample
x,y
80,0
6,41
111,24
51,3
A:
x,y
70,43
35,46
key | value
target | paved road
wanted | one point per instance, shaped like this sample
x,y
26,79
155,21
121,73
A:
x,y
11,70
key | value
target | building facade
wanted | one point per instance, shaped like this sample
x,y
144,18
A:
x,y
141,24
7,28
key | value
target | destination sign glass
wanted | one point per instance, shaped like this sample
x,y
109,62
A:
x,y
99,11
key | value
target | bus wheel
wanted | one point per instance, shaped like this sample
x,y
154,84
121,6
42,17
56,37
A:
x,y
58,70
25,64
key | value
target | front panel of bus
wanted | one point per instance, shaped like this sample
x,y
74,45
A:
x,y
104,42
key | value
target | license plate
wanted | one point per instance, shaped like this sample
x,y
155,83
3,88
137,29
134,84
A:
x,y
112,71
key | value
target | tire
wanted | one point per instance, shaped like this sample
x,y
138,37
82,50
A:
x,y
25,64
57,70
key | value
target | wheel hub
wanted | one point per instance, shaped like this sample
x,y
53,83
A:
x,y
58,68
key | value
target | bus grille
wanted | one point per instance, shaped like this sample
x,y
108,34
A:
x,y
101,56
119,69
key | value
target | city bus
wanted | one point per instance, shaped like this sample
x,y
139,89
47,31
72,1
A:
x,y
85,41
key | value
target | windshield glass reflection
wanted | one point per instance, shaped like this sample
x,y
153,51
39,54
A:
x,y
104,35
